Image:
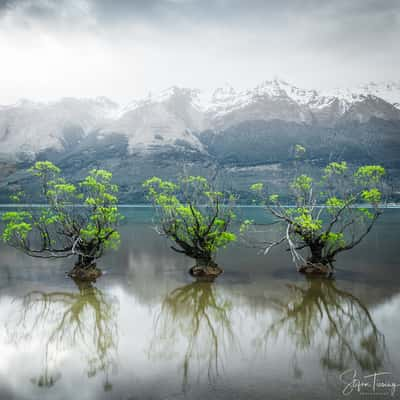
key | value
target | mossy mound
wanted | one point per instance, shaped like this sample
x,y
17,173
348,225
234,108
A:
x,y
316,269
85,273
205,273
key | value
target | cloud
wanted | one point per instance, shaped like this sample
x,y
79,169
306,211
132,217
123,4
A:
x,y
204,11
342,19
134,46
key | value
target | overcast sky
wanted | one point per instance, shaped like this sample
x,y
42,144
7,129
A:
x,y
125,48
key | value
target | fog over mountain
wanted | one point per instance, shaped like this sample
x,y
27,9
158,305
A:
x,y
178,115
92,75
244,135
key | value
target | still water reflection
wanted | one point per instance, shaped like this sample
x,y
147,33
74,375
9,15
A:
x,y
83,320
197,317
146,331
320,315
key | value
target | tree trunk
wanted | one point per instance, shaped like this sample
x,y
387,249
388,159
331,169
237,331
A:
x,y
85,262
205,261
317,264
316,254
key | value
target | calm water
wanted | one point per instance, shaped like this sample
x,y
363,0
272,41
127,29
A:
x,y
146,331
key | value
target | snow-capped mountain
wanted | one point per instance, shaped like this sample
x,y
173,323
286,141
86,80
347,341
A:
x,y
388,91
270,100
176,116
169,118
277,99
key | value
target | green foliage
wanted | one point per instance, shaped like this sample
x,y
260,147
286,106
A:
x,y
274,198
302,185
16,197
44,168
17,226
101,197
335,168
367,213
372,196
192,214
333,239
244,226
326,217
257,187
299,151
333,204
78,219
370,174
306,223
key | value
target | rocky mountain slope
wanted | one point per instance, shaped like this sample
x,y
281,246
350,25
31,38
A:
x,y
245,135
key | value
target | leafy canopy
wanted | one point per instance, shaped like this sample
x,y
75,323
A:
x,y
77,219
192,214
332,214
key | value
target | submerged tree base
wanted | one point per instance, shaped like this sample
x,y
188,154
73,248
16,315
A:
x,y
316,269
86,273
205,271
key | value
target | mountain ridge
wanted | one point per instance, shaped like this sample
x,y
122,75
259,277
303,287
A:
x,y
175,114
241,136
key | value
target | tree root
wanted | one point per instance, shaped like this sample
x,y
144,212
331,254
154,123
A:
x,y
316,269
85,273
205,272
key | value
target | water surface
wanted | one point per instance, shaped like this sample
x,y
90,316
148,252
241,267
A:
x,y
145,330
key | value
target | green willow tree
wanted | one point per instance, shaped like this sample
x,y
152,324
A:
x,y
195,217
331,215
76,220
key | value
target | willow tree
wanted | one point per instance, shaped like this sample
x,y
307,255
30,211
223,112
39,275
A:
x,y
195,217
75,220
331,215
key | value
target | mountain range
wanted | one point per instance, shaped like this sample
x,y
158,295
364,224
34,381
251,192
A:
x,y
240,136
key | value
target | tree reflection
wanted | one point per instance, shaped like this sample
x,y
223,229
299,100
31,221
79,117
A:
x,y
338,323
198,317
83,320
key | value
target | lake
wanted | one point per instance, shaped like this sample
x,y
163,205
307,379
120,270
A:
x,y
145,330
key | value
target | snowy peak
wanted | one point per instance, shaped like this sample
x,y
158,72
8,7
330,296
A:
x,y
389,91
272,99
281,88
224,93
274,88
174,93
168,118
174,116
278,99
222,96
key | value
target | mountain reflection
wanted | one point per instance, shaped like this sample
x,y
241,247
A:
x,y
196,320
84,321
338,324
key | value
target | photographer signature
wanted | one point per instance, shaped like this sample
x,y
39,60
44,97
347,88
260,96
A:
x,y
377,383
